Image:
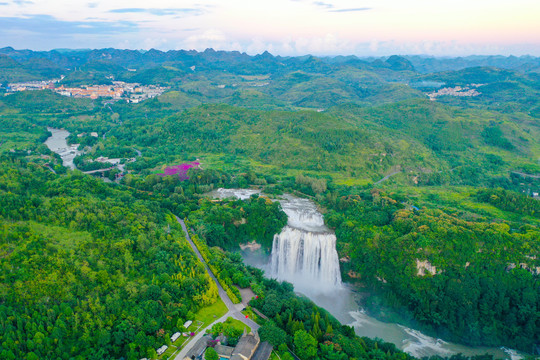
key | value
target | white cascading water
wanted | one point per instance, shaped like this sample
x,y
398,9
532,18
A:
x,y
304,253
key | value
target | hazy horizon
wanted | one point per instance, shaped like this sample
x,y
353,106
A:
x,y
285,27
367,56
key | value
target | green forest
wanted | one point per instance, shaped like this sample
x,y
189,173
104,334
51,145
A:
x,y
483,287
434,203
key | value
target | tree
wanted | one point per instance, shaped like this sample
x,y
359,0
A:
x,y
287,356
305,345
271,333
32,356
211,354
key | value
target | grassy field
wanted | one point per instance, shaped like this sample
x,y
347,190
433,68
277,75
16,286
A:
x,y
211,313
237,324
206,316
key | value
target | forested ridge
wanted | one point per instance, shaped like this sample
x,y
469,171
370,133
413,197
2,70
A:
x,y
461,275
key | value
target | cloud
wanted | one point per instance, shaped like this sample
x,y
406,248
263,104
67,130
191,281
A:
x,y
374,46
3,3
323,4
211,36
350,10
92,5
159,12
48,26
23,2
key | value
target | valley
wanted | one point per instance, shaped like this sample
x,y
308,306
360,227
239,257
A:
x,y
410,220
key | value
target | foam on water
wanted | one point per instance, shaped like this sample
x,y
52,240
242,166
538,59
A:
x,y
513,354
242,194
420,345
360,318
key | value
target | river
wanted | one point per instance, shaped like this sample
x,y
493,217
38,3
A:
x,y
340,299
57,143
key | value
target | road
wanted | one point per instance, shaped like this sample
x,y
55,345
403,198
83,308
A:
x,y
234,311
387,177
526,175
98,170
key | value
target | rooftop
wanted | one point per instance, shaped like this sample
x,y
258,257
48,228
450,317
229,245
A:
x,y
199,347
263,352
246,347
224,351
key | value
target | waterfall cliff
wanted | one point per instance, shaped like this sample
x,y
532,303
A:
x,y
304,253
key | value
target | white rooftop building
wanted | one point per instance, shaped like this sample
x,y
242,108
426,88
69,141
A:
x,y
162,349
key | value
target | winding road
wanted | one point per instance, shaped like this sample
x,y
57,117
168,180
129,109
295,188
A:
x,y
234,310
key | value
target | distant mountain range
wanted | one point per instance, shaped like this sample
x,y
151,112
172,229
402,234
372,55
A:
x,y
31,64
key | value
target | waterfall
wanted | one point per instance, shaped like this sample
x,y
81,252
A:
x,y
304,253
306,259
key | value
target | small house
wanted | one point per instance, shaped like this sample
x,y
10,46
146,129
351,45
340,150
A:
x,y
162,349
175,336
246,346
197,351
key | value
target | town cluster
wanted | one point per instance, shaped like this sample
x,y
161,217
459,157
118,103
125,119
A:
x,y
119,90
455,91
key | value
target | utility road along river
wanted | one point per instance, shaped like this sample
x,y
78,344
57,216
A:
x,y
304,254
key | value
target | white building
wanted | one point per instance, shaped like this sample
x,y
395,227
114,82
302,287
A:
x,y
162,349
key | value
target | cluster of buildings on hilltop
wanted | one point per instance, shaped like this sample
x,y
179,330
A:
x,y
131,92
92,92
33,85
455,91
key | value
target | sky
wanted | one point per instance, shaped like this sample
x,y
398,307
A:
x,y
282,27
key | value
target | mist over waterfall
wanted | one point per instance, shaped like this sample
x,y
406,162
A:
x,y
304,253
